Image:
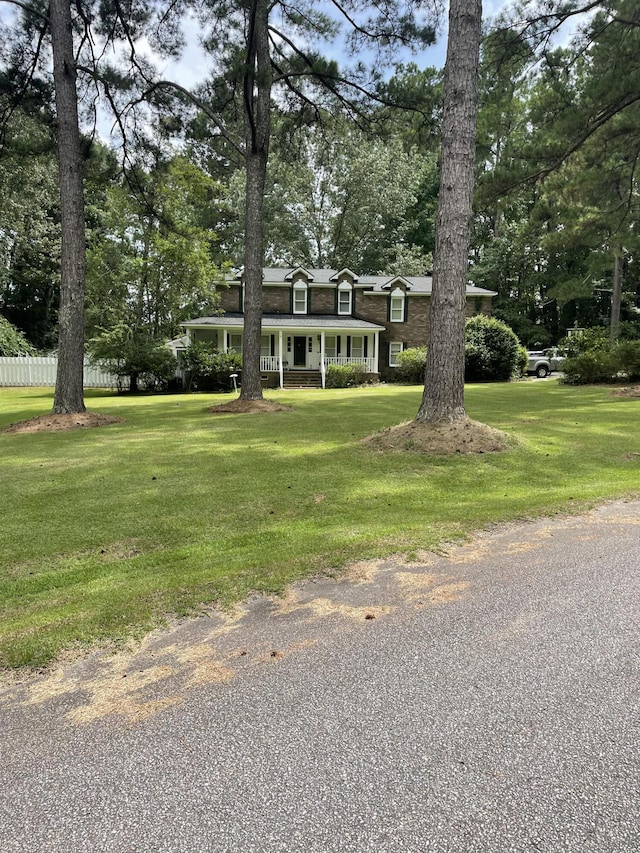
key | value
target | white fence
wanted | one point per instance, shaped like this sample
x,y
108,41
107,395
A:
x,y
41,371
368,363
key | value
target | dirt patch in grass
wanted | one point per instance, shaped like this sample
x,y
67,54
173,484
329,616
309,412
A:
x,y
59,423
248,407
463,436
631,391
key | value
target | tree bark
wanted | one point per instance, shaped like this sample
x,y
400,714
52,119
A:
x,y
69,395
257,118
443,397
616,296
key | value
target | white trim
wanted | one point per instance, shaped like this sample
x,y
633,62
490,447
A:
x,y
345,287
394,363
397,295
344,272
300,287
295,272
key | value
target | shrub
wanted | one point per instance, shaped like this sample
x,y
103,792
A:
x,y
134,355
345,375
491,350
627,354
12,341
208,369
411,366
522,361
589,368
476,362
590,340
610,363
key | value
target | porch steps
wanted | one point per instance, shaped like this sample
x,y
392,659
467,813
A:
x,y
302,379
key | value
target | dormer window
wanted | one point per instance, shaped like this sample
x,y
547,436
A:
x,y
345,298
300,297
396,306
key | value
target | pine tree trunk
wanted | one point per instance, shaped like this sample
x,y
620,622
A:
x,y
257,107
69,396
616,296
443,398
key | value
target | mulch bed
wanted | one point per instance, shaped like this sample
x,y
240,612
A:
x,y
462,436
59,423
248,407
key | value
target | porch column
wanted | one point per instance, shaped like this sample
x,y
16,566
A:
x,y
322,365
225,340
280,367
376,342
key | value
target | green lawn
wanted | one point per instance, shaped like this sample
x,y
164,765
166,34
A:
x,y
106,531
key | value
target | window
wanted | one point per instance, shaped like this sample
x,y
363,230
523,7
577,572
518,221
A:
x,y
330,346
396,307
345,298
395,348
299,298
235,343
357,346
265,345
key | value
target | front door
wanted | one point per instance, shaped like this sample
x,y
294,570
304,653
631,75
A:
x,y
299,351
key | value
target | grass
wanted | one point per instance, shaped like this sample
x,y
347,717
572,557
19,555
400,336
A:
x,y
106,532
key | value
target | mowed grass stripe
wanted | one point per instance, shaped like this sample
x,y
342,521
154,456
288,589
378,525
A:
x,y
107,531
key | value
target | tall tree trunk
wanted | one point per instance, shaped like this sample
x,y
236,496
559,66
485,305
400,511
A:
x,y
257,118
443,398
616,296
69,397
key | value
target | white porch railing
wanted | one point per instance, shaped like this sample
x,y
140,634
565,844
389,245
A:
x,y
369,363
269,363
41,371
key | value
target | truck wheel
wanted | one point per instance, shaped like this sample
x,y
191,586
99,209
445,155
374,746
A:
x,y
541,371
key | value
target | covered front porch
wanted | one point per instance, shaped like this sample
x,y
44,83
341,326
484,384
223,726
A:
x,y
293,346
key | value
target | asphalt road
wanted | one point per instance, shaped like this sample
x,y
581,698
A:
x,y
487,699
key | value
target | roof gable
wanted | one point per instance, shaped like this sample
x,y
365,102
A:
x,y
397,281
298,272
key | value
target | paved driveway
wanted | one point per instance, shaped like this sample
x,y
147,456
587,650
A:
x,y
482,700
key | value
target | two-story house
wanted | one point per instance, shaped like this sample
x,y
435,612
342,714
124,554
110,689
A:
x,y
317,317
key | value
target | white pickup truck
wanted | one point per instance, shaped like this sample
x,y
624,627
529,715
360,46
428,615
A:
x,y
542,363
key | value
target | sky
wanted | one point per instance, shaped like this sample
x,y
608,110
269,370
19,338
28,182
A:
x,y
189,69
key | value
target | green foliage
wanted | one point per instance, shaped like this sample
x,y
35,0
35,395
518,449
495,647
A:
x,y
345,375
522,361
411,365
208,369
12,341
590,340
29,228
604,362
339,198
589,368
492,350
134,355
627,355
151,257
558,165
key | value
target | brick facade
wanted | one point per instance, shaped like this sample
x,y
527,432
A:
x,y
369,303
